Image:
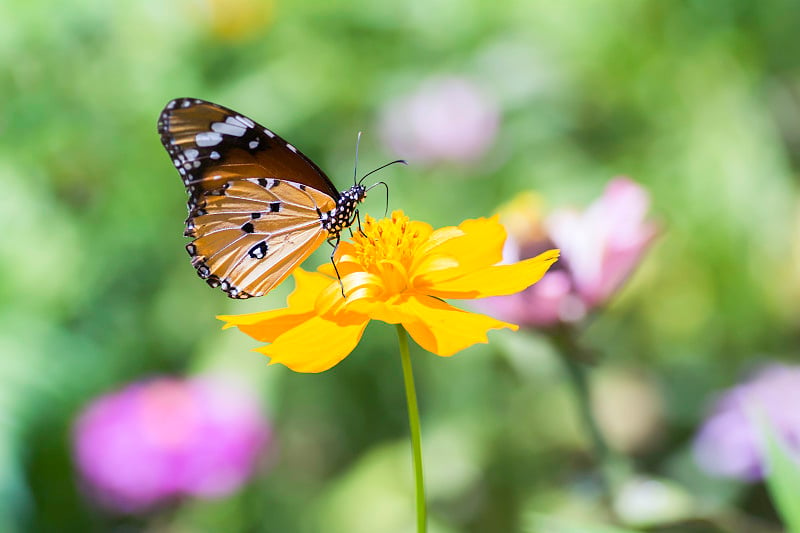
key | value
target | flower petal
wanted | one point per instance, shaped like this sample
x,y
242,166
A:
x,y
443,329
391,310
268,325
315,345
307,287
265,326
495,280
359,285
606,242
429,264
476,243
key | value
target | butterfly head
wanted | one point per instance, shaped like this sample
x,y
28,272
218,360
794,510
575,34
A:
x,y
343,215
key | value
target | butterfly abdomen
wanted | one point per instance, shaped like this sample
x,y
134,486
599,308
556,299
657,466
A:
x,y
342,216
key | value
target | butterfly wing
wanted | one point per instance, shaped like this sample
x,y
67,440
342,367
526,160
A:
x,y
251,235
211,145
255,201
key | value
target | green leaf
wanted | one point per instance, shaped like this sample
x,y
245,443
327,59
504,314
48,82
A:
x,y
783,478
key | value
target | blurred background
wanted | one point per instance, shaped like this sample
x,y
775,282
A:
x,y
698,102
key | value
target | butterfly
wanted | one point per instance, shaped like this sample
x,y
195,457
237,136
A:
x,y
257,206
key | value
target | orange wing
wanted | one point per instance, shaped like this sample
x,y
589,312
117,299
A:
x,y
253,232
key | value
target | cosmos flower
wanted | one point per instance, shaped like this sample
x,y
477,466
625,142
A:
x,y
398,271
730,444
601,246
444,120
158,440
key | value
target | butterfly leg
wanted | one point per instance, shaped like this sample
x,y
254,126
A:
x,y
361,231
350,224
334,241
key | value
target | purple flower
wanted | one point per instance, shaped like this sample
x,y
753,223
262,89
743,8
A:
x,y
729,444
445,119
600,248
162,439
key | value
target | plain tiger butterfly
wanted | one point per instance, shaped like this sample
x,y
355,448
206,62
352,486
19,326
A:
x,y
257,206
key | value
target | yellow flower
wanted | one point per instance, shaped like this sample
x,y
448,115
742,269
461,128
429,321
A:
x,y
397,271
233,20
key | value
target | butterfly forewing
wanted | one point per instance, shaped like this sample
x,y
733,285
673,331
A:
x,y
255,201
211,145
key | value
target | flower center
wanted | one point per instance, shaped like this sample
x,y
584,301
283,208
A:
x,y
387,248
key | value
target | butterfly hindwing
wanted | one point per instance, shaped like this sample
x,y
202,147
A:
x,y
254,232
255,201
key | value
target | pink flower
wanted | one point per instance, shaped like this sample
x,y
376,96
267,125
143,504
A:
x,y
162,439
444,120
604,243
729,444
600,248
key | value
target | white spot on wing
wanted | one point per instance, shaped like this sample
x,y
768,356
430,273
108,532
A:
x,y
208,138
253,144
246,121
269,133
191,154
226,128
290,147
214,155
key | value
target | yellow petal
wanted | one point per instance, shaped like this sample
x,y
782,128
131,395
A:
x,y
496,280
308,285
265,326
443,329
327,270
346,261
315,345
391,311
438,238
345,253
359,285
432,263
475,244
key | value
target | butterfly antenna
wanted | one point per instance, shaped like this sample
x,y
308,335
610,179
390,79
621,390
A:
x,y
386,207
403,161
355,167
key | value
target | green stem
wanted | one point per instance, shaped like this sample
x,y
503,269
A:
x,y
612,469
413,422
580,387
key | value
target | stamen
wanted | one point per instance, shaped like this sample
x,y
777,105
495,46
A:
x,y
387,241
